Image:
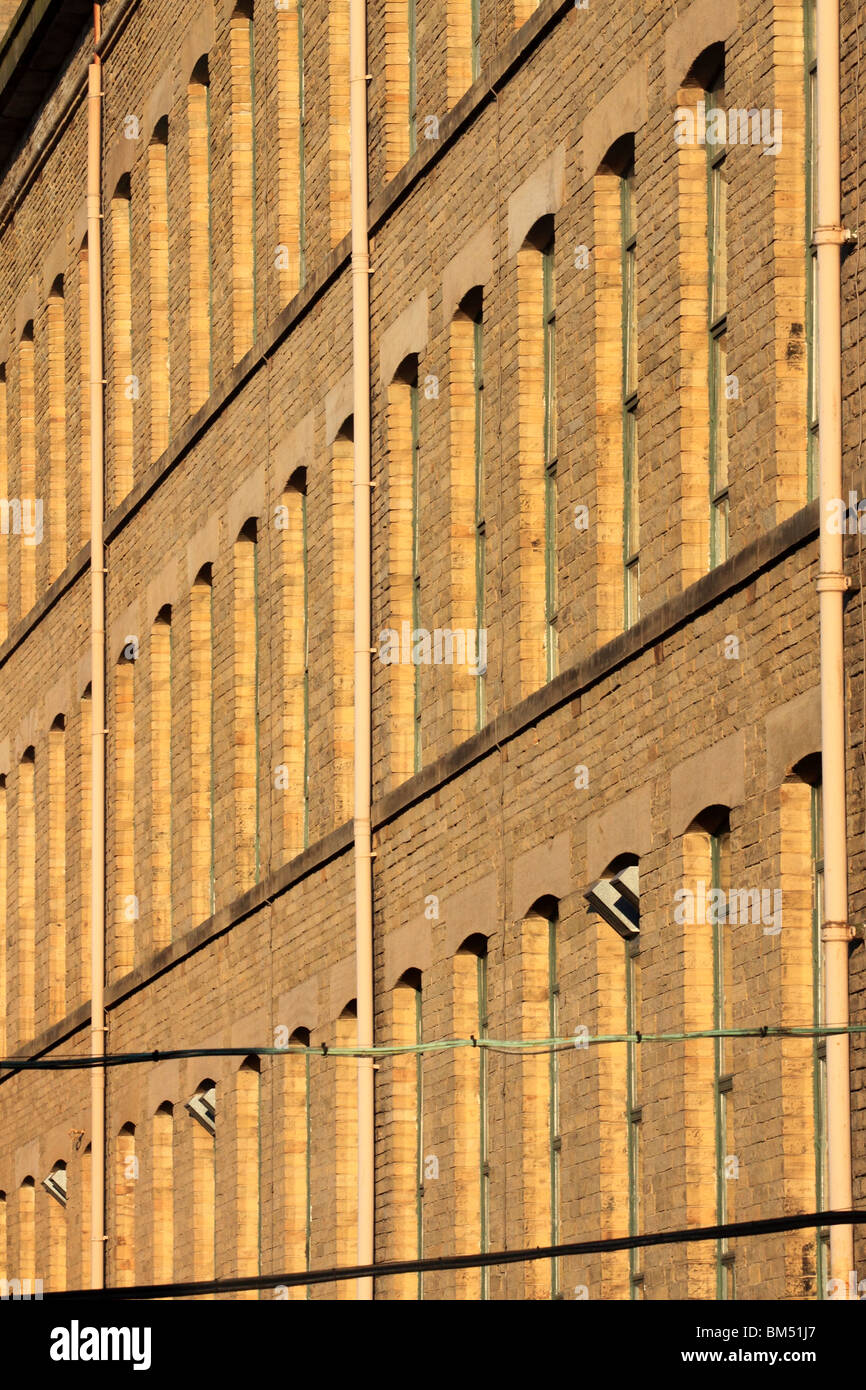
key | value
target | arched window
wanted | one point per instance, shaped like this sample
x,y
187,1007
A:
x,y
404,1089
294,575
248,1177
55,1186
82,536
200,302
4,1266
243,178
400,84
5,939
246,706
125,1186
292,156
471,1114
160,289
540,1101
161,780
124,388
4,492
57,945
404,566
717,235
201,629
616,898
342,464
26,882
468,511
26,472
162,1193
84,832
339,202
125,896
85,1207
709,1004
25,1233
346,1150
297,1153
57,482
538,461
811,171
202,1108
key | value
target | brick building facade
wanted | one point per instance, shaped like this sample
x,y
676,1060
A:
x,y
593,440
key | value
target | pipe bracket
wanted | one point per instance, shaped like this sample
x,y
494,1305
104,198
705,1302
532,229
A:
x,y
831,582
837,931
833,236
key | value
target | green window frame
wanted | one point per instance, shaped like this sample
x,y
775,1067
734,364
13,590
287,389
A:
x,y
555,1138
717,299
413,79
722,1078
811,79
416,572
550,458
633,1110
480,521
476,39
631,508
484,1140
302,172
819,1044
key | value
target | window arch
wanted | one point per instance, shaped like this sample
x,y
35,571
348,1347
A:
x,y
404,571
57,481
27,470
124,759
57,943
161,780
341,467
124,387
294,800
202,790
26,880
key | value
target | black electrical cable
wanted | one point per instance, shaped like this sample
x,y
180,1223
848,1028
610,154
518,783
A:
x,y
773,1225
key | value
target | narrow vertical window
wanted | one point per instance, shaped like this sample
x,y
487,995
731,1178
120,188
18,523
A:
x,y
631,510
292,155
293,788
404,573
27,473
346,1151
717,325
819,1044
480,522
413,78
246,707
296,1150
200,313
472,1168
550,461
202,1108
243,180
85,832
160,294
476,38
632,1011
161,787
25,1267
56,1189
85,1229
726,1160
162,1196
416,574
248,1166
57,483
399,104
57,962
124,389
553,1081
26,882
83,535
404,1105
341,474
202,746
125,1185
125,900
4,1239
339,202
811,54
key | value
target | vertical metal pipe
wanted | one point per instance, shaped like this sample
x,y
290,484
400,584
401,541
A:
x,y
97,652
832,583
362,631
